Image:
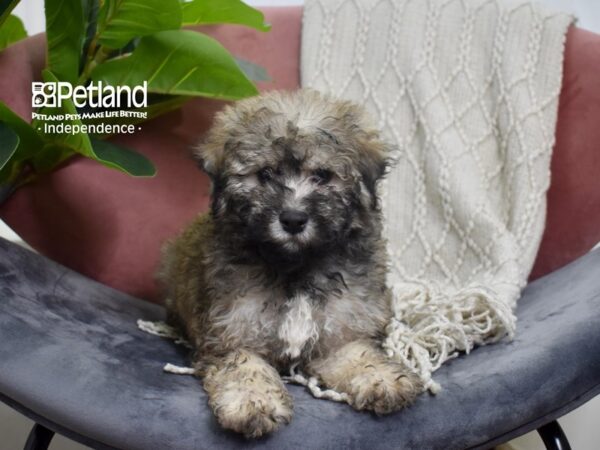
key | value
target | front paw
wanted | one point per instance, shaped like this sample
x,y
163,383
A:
x,y
247,394
250,411
383,388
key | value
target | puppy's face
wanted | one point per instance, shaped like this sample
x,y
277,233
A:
x,y
293,174
285,197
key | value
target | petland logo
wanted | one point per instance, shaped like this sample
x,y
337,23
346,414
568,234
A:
x,y
98,108
94,95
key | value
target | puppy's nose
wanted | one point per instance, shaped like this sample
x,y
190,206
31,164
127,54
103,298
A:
x,y
293,221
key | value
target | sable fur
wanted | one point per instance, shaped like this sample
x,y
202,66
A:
x,y
254,299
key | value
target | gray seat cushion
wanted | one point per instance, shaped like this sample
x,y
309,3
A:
x,y
72,357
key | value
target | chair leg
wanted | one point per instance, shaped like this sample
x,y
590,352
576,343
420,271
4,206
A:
x,y
39,438
553,436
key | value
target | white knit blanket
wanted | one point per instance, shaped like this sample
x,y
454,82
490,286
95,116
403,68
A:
x,y
468,92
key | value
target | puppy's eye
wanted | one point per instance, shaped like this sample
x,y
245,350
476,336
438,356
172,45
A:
x,y
265,174
321,176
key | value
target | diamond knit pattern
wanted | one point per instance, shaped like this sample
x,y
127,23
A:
x,y
467,91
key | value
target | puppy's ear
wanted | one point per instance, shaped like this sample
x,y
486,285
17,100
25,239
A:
x,y
373,162
210,152
372,153
208,155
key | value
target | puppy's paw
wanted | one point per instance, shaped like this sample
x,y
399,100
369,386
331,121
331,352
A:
x,y
384,388
247,394
372,381
250,411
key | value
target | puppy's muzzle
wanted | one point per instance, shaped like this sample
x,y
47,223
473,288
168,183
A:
x,y
293,221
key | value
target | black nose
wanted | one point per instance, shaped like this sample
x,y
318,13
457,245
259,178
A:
x,y
293,221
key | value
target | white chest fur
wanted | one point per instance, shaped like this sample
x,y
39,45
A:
x,y
297,327
257,318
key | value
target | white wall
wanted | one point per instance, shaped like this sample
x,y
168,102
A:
x,y
588,11
31,13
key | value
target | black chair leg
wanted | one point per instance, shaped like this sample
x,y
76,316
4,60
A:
x,y
553,436
39,438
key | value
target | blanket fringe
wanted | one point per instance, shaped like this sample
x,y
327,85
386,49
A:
x,y
430,327
312,384
178,370
163,330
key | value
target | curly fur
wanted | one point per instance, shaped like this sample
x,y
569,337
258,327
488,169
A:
x,y
253,298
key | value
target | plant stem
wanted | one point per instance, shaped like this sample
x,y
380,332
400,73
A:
x,y
96,54
92,61
91,53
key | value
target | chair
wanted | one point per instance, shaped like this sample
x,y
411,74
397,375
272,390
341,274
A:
x,y
74,361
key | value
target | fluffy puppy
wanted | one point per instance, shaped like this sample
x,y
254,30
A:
x,y
289,267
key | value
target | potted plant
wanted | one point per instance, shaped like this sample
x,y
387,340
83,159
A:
x,y
117,43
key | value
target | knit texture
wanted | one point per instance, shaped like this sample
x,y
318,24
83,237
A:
x,y
467,90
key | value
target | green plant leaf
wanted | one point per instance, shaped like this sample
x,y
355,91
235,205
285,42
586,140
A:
x,y
253,71
29,139
156,107
65,29
122,20
159,104
91,10
12,30
30,144
61,146
6,7
123,159
179,62
9,142
50,156
203,12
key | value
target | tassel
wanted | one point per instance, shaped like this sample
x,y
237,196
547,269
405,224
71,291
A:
x,y
429,327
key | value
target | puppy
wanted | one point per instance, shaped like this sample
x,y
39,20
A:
x,y
289,267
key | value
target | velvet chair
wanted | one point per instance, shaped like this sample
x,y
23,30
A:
x,y
74,361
